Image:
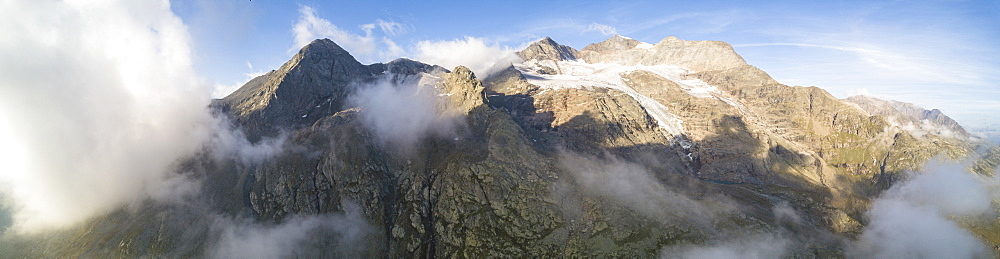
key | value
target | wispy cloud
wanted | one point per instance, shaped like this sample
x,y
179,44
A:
x,y
605,29
297,236
366,47
391,28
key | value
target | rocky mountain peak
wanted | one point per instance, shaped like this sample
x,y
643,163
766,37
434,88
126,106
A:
x,y
322,45
616,44
671,39
693,55
548,49
327,55
311,84
910,116
464,91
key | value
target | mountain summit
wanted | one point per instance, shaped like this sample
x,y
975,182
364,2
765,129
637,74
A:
x,y
547,49
693,55
310,86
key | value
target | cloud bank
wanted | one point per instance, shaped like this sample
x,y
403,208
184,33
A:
x,y
402,114
97,102
915,218
475,53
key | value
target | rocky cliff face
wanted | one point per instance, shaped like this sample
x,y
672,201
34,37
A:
x,y
621,149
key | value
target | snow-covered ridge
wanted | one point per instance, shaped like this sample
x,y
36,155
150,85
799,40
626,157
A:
x,y
582,75
610,74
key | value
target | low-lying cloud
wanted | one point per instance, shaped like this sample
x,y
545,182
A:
x,y
916,217
342,235
400,114
633,186
98,100
228,142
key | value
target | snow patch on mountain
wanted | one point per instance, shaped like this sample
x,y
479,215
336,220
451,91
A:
x,y
580,75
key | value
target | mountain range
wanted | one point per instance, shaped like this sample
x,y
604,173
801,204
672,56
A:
x,y
620,149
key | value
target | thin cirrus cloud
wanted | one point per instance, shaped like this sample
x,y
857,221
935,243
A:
x,y
605,29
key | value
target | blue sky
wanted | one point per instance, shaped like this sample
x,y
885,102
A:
x,y
937,54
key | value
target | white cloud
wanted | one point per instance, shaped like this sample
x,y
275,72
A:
x,y
482,58
402,114
635,187
912,219
296,237
607,30
228,143
101,100
392,50
311,27
391,28
365,48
